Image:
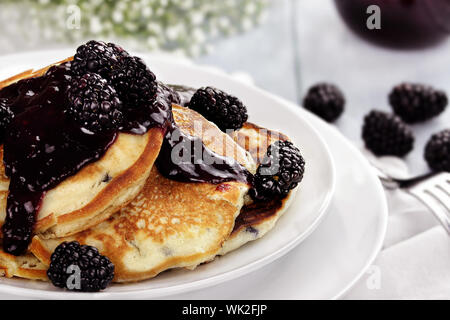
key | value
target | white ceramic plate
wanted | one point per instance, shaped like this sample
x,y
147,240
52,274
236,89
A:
x,y
305,213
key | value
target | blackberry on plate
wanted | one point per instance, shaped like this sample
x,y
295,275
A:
x,y
437,151
6,116
225,110
325,100
96,57
94,104
280,171
134,82
96,270
168,93
386,134
417,102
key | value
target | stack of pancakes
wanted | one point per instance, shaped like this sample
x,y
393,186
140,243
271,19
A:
x,y
143,222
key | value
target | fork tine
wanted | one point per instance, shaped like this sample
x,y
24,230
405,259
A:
x,y
444,188
443,184
440,195
431,202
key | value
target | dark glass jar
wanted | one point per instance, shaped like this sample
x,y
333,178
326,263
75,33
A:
x,y
404,23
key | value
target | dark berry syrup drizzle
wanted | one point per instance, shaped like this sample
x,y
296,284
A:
x,y
194,162
200,164
42,147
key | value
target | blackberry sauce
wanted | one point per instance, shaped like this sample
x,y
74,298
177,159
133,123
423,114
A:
x,y
256,212
195,162
42,147
158,114
184,94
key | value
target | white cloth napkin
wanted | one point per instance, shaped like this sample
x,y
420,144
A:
x,y
415,260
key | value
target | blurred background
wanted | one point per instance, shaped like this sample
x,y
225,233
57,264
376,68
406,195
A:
x,y
283,46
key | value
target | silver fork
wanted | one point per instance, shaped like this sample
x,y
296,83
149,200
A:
x,y
432,189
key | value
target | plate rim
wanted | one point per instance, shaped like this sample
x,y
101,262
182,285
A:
x,y
216,279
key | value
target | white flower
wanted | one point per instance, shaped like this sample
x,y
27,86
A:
x,y
198,35
95,25
175,25
117,16
173,32
146,11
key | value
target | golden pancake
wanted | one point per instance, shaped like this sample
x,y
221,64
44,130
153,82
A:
x,y
169,224
26,266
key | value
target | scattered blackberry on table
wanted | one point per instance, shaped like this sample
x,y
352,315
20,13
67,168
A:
x,y
96,270
386,134
325,100
94,104
437,151
6,116
417,102
96,57
280,171
225,110
134,82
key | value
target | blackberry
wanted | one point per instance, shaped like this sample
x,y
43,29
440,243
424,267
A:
x,y
280,171
6,116
96,57
386,134
168,93
94,104
416,102
134,82
156,112
325,100
118,50
437,151
225,110
96,270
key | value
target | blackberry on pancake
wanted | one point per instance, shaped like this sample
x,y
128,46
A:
x,y
134,82
94,104
226,111
280,171
97,57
